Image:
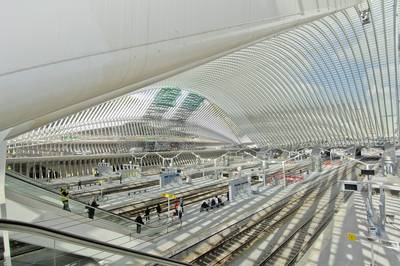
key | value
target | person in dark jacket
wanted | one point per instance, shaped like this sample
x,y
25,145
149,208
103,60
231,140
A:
x,y
79,184
139,222
212,203
180,212
204,206
158,209
91,208
220,203
181,203
147,214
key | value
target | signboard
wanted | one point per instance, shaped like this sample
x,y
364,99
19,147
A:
x,y
367,172
240,186
351,236
169,196
170,175
350,185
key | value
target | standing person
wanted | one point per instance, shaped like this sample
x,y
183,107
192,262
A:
x,y
91,208
176,207
158,208
120,179
180,212
79,184
139,223
147,214
65,199
181,203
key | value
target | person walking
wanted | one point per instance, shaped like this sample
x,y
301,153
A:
x,y
139,222
65,199
158,209
181,203
180,212
79,184
147,214
91,208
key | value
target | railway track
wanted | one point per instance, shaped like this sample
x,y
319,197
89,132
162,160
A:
x,y
267,226
190,197
288,252
86,195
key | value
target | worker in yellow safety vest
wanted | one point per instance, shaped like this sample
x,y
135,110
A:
x,y
65,199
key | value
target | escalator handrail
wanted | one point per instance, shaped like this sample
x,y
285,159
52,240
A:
x,y
19,226
26,180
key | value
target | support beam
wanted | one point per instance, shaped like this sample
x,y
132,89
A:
x,y
3,209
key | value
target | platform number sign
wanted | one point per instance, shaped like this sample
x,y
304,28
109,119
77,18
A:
x,y
351,236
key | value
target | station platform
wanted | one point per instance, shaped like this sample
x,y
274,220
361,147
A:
x,y
197,225
90,183
332,247
124,198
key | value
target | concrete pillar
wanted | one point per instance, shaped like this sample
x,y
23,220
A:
x,y
86,167
3,209
40,170
316,160
19,167
33,165
389,160
64,169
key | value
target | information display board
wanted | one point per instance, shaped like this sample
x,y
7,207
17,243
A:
x,y
170,175
239,187
104,168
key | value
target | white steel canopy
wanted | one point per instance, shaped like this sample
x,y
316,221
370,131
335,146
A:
x,y
333,81
167,113
60,57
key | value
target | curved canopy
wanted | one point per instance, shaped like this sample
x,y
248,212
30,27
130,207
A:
x,y
332,81
60,57
161,113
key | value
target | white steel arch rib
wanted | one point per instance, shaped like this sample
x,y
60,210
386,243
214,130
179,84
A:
x,y
333,81
60,57
158,113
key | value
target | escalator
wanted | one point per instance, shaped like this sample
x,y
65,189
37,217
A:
x,y
56,247
39,204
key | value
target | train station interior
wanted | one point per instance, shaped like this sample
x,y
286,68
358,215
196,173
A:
x,y
199,132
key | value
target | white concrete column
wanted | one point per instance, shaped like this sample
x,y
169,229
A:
x,y
40,170
3,209
34,170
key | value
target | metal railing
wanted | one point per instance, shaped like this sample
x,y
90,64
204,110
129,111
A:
x,y
64,237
